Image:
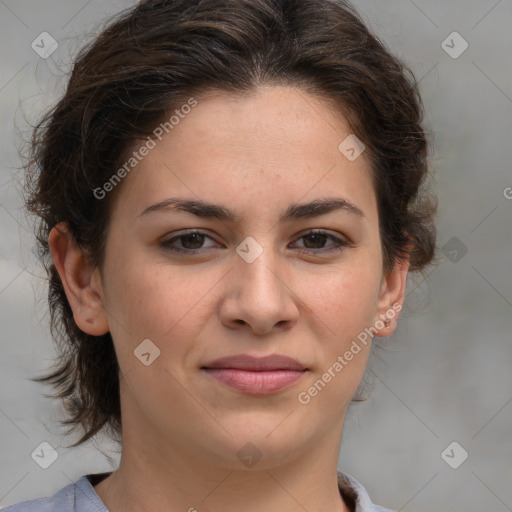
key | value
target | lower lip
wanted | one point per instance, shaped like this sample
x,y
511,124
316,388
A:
x,y
256,383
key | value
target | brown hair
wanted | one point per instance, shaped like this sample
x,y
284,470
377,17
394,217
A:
x,y
150,59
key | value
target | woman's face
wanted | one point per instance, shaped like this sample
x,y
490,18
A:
x,y
255,284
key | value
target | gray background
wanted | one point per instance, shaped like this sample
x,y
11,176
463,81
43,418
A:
x,y
446,373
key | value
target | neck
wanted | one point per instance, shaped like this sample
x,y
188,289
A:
x,y
167,479
198,467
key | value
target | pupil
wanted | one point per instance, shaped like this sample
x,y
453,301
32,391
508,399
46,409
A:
x,y
316,235
193,235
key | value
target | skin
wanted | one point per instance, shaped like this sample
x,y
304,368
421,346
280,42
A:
x,y
182,429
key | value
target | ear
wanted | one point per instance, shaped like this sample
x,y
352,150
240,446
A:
x,y
391,299
82,283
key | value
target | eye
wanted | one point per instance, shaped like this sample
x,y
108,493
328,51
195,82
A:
x,y
317,238
191,242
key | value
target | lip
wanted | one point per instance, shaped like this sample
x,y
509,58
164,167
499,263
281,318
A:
x,y
251,363
256,375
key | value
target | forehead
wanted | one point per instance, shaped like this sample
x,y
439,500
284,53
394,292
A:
x,y
279,144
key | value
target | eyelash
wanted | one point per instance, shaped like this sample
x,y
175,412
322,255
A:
x,y
340,244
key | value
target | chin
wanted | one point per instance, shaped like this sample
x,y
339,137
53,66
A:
x,y
259,443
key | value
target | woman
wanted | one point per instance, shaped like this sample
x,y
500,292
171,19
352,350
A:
x,y
231,195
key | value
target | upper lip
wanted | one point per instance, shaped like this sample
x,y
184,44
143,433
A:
x,y
247,362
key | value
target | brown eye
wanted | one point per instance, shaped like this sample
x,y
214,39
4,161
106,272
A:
x,y
192,241
188,242
315,242
318,240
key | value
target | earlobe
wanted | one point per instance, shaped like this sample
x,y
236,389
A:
x,y
81,282
391,298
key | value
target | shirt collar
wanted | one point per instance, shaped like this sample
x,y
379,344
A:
x,y
355,495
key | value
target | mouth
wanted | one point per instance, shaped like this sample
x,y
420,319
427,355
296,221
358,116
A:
x,y
256,376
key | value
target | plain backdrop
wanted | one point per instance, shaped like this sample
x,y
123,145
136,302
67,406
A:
x,y
443,377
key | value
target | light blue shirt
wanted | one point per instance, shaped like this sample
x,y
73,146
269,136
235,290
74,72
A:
x,y
80,496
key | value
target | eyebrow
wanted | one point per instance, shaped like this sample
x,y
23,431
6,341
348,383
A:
x,y
295,211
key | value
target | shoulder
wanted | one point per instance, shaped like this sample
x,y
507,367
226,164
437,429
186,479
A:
x,y
355,493
81,497
78,496
62,501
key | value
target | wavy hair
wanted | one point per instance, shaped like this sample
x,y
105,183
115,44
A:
x,y
147,61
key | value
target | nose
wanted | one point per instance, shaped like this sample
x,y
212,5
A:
x,y
260,297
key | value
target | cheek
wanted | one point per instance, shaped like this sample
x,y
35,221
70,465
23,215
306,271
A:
x,y
345,299
346,306
157,301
